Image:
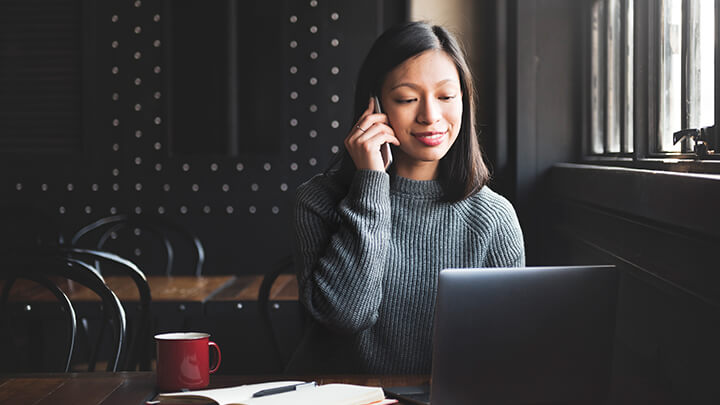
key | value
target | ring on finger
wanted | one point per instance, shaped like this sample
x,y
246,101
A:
x,y
358,127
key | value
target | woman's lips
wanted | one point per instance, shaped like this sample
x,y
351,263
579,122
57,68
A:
x,y
430,138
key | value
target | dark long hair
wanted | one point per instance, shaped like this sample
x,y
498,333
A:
x,y
462,171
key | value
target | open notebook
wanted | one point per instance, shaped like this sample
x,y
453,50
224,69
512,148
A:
x,y
335,394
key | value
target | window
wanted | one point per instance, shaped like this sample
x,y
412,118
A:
x,y
700,64
612,78
652,74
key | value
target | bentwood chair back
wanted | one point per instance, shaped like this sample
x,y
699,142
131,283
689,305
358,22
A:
x,y
139,344
113,234
63,268
8,338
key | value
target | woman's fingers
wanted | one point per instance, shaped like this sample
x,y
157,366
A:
x,y
371,107
369,117
367,136
377,133
368,111
366,122
364,146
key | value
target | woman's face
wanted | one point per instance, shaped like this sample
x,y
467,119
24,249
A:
x,y
422,98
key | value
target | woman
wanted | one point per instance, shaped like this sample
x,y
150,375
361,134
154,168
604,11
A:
x,y
370,242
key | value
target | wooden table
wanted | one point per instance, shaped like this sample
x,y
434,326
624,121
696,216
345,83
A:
x,y
171,289
134,388
163,288
244,289
224,306
185,294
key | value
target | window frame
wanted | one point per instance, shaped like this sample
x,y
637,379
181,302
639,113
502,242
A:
x,y
646,85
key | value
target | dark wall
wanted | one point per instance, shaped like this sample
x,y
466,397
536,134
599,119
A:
x,y
668,319
658,227
208,115
538,116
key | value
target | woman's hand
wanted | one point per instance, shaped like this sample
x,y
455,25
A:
x,y
367,136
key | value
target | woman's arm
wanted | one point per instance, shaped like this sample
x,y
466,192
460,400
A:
x,y
507,247
341,248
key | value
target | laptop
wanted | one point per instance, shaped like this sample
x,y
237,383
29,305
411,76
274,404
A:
x,y
532,335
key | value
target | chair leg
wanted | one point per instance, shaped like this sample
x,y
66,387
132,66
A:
x,y
146,345
95,349
84,338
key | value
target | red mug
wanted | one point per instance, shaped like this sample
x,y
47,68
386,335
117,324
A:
x,y
183,360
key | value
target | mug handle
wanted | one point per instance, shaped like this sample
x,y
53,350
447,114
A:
x,y
217,349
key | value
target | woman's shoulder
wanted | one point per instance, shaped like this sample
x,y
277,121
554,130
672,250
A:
x,y
488,197
487,206
326,185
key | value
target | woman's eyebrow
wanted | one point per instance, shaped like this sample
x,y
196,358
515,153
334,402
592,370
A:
x,y
415,86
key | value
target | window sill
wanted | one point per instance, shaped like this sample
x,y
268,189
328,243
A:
x,y
684,200
680,163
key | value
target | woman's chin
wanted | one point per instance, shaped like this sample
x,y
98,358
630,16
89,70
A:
x,y
432,155
418,160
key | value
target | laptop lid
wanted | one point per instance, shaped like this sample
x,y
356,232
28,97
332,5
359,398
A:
x,y
534,335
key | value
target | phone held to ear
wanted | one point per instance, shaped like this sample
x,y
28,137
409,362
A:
x,y
385,148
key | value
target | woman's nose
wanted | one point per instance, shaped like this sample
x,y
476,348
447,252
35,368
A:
x,y
429,112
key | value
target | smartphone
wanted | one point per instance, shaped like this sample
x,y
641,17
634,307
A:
x,y
385,148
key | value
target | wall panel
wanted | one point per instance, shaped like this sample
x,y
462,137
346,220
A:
x,y
208,121
669,307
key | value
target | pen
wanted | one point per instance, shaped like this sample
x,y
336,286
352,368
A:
x,y
278,390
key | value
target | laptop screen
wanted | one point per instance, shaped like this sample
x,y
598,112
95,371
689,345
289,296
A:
x,y
533,335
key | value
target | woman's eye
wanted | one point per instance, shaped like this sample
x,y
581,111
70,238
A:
x,y
447,97
406,100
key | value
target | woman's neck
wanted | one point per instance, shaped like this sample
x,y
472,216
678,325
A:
x,y
416,170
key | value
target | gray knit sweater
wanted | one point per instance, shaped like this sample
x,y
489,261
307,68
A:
x,y
368,263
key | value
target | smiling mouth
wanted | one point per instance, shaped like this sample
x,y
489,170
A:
x,y
431,138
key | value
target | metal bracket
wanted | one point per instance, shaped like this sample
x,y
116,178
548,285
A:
x,y
706,139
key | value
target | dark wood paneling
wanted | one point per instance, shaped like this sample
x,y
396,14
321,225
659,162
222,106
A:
x,y
665,349
687,262
651,220
678,200
668,319
543,113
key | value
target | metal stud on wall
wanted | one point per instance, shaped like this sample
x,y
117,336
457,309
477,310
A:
x,y
240,205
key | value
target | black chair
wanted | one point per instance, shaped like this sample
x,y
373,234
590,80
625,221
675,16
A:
x,y
97,234
139,345
284,265
66,346
49,268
